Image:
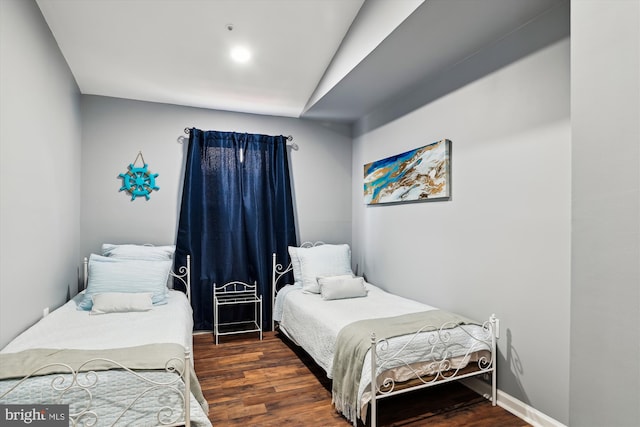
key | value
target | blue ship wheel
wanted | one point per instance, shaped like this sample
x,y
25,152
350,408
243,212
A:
x,y
138,181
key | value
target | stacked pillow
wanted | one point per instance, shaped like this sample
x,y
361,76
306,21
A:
x,y
145,252
328,267
127,278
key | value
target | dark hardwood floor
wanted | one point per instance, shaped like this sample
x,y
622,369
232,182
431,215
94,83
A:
x,y
249,382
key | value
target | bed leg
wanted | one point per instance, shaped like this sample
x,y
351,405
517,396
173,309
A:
x,y
273,290
495,327
187,388
494,388
373,404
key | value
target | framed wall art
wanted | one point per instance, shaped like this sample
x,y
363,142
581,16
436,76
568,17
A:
x,y
422,174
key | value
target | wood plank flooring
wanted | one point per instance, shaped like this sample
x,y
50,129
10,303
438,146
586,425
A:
x,y
249,382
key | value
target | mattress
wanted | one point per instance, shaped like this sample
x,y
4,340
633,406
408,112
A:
x,y
70,328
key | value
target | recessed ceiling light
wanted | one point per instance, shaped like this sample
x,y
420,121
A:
x,y
240,54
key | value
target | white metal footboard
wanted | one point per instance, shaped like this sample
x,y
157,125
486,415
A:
x,y
441,349
77,387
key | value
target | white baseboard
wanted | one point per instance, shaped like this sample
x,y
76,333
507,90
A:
x,y
513,405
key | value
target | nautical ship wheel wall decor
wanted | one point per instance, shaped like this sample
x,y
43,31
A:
x,y
138,181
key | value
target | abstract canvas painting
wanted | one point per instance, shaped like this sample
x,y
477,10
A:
x,y
420,174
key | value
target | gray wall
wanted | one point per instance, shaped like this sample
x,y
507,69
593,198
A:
x,y
115,130
605,282
40,170
502,244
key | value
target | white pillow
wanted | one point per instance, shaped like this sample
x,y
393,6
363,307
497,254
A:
x,y
341,287
342,276
295,265
119,302
147,252
324,260
108,274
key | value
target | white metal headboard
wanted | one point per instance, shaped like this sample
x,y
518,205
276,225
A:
x,y
278,271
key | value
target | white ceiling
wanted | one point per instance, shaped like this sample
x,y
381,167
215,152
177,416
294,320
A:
x,y
325,59
177,51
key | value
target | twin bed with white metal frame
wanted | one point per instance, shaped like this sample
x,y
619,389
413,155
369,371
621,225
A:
x,y
129,366
406,346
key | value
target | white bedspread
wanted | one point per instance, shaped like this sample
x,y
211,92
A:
x,y
314,323
70,328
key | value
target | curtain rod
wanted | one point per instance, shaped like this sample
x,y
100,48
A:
x,y
289,139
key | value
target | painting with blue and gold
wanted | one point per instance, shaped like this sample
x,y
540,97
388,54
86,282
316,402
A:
x,y
419,174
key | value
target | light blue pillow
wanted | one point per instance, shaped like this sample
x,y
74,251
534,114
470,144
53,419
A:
x,y
107,274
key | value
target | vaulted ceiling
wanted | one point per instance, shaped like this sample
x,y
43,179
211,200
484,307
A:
x,y
324,59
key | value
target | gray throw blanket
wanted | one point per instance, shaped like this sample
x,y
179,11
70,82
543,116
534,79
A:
x,y
354,341
144,357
